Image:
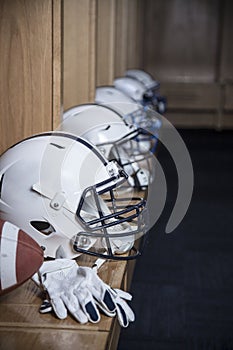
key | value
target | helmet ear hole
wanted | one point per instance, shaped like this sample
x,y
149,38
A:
x,y
43,227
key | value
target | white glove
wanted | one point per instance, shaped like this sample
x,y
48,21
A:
x,y
78,290
110,301
67,290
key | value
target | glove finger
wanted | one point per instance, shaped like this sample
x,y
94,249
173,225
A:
x,y
92,312
109,301
80,316
122,294
122,317
73,306
98,289
105,310
129,312
105,300
59,308
124,313
87,304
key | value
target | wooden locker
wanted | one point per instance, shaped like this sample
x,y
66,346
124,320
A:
x,y
29,68
79,52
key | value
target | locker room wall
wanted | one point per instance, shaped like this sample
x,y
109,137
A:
x,y
54,53
101,39
79,46
188,47
30,84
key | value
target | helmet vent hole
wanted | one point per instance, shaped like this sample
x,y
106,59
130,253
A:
x,y
43,227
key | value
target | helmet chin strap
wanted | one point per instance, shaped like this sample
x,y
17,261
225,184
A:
x,y
98,263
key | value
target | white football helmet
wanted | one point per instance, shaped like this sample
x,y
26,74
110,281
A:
x,y
147,94
65,194
116,139
152,88
144,78
132,111
131,87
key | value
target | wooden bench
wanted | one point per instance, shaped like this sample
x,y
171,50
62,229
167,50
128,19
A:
x,y
23,327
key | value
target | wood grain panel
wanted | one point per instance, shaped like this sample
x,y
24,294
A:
x,y
121,42
105,53
57,43
135,33
189,119
192,96
181,39
18,339
79,52
129,35
25,69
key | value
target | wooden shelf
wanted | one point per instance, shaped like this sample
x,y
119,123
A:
x,y
23,327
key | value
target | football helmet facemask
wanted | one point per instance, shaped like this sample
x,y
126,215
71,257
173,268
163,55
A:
x,y
65,194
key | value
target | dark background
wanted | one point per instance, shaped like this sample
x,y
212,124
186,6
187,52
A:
x,y
183,283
